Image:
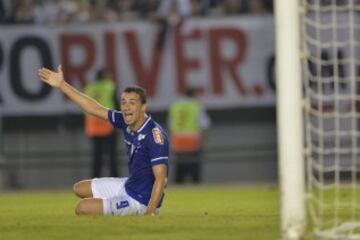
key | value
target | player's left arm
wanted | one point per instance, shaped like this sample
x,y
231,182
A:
x,y
160,173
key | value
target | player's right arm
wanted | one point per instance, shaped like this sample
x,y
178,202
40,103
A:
x,y
56,80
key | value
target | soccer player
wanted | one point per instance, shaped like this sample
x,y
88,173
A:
x,y
147,147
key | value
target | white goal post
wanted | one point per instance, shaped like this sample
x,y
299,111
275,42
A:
x,y
289,119
318,103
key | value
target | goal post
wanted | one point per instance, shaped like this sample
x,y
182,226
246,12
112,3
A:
x,y
289,119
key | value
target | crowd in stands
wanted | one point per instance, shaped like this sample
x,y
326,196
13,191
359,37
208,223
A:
x,y
83,11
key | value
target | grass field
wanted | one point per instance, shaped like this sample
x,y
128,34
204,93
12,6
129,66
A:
x,y
217,213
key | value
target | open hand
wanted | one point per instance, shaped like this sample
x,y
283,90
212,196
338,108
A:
x,y
54,79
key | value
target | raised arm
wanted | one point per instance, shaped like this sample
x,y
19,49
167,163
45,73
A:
x,y
56,80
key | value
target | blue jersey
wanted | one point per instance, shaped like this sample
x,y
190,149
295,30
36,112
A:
x,y
146,147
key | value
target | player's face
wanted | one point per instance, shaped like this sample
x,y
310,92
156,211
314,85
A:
x,y
132,109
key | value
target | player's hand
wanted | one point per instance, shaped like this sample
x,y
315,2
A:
x,y
54,79
149,214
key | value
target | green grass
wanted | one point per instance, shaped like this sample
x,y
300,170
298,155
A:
x,y
217,213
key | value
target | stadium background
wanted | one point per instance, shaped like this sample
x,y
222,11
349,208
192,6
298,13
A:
x,y
43,143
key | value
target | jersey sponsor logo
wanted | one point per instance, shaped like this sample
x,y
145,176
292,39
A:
x,y
122,204
158,137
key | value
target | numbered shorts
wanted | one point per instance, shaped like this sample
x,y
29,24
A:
x,y
115,199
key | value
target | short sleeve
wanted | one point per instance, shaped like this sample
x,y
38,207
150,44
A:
x,y
158,147
116,119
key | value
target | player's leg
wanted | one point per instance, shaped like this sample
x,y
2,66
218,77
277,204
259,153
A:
x,y
83,189
180,161
109,198
196,166
90,206
120,206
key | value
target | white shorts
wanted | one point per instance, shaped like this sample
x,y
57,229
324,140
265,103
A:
x,y
115,199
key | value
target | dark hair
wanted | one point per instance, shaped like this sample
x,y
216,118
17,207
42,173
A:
x,y
101,74
139,91
190,92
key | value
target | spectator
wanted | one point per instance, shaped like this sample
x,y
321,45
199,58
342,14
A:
x,y
167,12
101,132
269,5
147,9
235,7
82,12
24,12
187,120
5,10
171,13
257,7
2,12
103,11
47,12
128,10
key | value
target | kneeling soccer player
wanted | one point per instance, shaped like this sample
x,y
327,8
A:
x,y
147,147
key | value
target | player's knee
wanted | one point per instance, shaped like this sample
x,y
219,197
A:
x,y
82,189
81,208
89,206
76,189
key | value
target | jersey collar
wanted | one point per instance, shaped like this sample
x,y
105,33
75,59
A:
x,y
144,124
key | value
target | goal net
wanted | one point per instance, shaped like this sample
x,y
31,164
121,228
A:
x,y
330,50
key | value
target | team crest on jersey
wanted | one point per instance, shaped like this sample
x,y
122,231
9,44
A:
x,y
158,137
141,137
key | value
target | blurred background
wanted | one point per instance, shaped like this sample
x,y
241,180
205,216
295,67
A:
x,y
223,48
